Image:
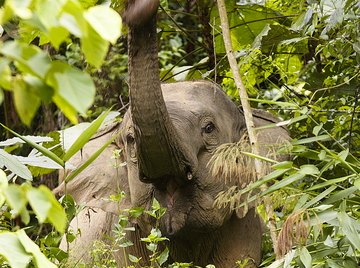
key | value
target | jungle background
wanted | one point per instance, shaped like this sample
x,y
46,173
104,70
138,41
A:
x,y
300,60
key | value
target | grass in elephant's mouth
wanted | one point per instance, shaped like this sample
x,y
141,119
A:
x,y
230,164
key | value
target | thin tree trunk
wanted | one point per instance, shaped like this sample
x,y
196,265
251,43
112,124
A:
x,y
259,167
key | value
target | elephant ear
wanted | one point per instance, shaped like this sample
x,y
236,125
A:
x,y
104,177
271,139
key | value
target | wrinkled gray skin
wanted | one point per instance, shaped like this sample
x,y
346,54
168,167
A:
x,y
168,136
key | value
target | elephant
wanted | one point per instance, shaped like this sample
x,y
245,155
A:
x,y
167,139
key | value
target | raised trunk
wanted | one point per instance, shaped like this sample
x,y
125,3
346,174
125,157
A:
x,y
159,153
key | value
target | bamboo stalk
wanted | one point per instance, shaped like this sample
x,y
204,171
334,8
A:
x,y
259,167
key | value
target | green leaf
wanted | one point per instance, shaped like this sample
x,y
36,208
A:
x,y
105,21
309,170
72,18
38,147
312,139
357,184
283,165
163,257
350,229
16,197
14,165
29,58
90,160
26,101
320,196
39,203
330,182
33,249
57,35
56,215
5,75
74,89
284,182
133,258
343,194
3,180
85,136
94,47
13,251
305,257
3,185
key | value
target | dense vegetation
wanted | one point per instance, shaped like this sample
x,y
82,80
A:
x,y
64,61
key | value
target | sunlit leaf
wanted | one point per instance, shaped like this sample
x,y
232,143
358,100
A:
x,y
47,208
38,147
14,165
74,89
94,47
309,170
163,257
305,257
27,101
312,139
29,58
13,251
351,228
105,21
34,250
16,197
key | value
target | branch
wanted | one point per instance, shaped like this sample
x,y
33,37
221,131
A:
x,y
259,167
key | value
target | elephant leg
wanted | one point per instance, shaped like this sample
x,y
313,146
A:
x,y
93,224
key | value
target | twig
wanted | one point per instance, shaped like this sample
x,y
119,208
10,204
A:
x,y
259,168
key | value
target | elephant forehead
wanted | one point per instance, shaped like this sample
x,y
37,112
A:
x,y
196,97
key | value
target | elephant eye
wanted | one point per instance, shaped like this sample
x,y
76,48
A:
x,y
130,138
210,127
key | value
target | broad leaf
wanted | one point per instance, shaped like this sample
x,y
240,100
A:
x,y
13,251
16,197
94,47
46,207
105,21
39,203
305,257
14,165
74,89
29,58
72,18
38,147
350,228
35,139
30,247
309,170
27,101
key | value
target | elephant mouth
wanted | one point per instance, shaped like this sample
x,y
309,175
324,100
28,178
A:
x,y
176,198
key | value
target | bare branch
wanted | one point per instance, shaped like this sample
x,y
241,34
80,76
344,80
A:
x,y
259,167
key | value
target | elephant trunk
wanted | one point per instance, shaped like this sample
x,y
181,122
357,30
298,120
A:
x,y
159,152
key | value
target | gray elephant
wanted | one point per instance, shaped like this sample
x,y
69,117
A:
x,y
168,137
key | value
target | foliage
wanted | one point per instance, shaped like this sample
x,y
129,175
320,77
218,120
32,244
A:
x,y
29,72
